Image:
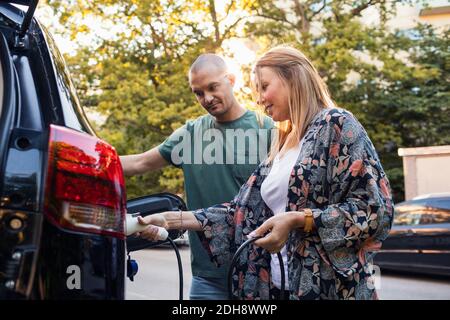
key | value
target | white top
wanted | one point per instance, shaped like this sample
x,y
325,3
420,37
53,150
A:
x,y
274,192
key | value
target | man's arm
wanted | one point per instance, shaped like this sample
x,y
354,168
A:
x,y
135,164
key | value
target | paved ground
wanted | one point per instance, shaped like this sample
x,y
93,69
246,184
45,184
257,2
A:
x,y
157,279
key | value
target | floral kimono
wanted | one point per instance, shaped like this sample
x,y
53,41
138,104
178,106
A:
x,y
339,176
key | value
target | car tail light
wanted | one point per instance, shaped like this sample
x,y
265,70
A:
x,y
85,188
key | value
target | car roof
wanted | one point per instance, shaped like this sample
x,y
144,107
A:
x,y
433,195
22,2
432,202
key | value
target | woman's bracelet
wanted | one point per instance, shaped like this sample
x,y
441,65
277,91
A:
x,y
181,232
309,219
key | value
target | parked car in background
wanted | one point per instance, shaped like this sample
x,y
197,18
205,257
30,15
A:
x,y
432,195
419,240
62,191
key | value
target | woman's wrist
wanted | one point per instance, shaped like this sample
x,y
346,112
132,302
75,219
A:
x,y
299,219
303,220
309,220
173,219
182,220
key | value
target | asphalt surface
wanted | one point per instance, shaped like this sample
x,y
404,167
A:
x,y
157,279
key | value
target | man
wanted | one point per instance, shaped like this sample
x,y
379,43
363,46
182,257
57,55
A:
x,y
217,153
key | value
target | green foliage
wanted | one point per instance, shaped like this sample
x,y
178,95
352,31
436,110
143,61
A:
x,y
137,78
396,83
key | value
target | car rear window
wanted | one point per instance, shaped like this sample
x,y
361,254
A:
x,y
74,115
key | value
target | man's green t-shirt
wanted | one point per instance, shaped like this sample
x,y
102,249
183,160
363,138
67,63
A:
x,y
217,158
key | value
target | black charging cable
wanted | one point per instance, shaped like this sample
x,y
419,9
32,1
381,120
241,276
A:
x,y
230,270
132,267
235,260
180,266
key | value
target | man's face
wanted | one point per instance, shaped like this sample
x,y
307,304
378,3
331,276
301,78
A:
x,y
213,90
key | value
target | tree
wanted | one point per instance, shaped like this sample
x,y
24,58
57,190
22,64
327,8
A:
x,y
396,84
136,75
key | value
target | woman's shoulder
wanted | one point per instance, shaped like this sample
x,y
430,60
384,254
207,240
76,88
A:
x,y
338,116
342,123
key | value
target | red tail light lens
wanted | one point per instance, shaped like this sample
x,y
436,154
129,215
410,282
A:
x,y
85,188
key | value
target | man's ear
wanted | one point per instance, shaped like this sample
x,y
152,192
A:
x,y
232,78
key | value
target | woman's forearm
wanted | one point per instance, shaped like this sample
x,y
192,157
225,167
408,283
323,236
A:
x,y
182,220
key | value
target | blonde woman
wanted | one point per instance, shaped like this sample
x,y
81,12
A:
x,y
321,198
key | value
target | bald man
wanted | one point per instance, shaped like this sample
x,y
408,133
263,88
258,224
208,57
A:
x,y
217,153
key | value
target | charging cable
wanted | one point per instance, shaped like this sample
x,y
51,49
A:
x,y
235,260
133,226
180,267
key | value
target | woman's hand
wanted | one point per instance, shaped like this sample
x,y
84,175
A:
x,y
152,220
279,226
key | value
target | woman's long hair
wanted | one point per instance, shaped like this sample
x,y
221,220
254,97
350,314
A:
x,y
307,94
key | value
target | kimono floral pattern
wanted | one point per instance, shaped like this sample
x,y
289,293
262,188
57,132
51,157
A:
x,y
339,176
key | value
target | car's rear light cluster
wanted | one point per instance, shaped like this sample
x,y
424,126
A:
x,y
85,188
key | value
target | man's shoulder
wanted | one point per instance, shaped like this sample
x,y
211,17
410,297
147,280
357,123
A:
x,y
251,119
204,121
263,121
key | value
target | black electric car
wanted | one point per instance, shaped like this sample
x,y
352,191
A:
x,y
62,191
419,240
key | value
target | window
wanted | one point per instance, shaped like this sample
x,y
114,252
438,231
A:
x,y
441,216
426,217
422,216
73,113
407,218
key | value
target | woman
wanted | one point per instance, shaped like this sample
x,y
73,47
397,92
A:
x,y
321,195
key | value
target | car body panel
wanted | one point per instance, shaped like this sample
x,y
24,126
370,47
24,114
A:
x,y
39,259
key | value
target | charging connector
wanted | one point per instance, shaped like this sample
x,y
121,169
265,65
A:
x,y
133,226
